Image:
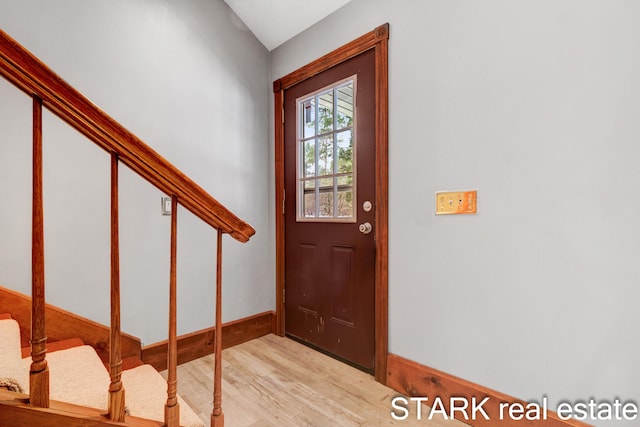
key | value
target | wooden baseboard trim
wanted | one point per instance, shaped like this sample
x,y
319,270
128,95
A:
x,y
201,343
413,379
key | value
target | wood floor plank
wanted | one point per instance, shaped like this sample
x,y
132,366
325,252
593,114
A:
x,y
276,382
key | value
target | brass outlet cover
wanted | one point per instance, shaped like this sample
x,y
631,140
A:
x,y
456,202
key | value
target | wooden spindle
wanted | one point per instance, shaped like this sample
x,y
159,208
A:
x,y
116,390
217,417
172,408
39,371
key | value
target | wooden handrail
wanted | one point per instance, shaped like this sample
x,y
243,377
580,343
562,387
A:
x,y
32,76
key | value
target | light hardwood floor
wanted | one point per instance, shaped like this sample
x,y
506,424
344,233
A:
x,y
277,382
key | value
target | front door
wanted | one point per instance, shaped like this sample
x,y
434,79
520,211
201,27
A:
x,y
329,138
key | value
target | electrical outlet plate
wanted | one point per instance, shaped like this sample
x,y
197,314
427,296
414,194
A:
x,y
456,202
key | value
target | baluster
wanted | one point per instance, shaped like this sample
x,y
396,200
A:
x,y
39,371
116,390
217,417
172,408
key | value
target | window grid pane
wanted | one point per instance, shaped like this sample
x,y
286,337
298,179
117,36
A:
x,y
325,154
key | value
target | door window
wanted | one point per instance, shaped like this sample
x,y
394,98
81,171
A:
x,y
326,154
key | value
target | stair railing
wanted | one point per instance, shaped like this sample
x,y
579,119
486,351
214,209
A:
x,y
29,74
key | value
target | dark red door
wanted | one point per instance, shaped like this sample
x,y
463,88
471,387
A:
x,y
329,193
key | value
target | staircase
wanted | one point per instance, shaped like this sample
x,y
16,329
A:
x,y
78,376
33,400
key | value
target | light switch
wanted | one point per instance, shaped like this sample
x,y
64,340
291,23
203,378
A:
x,y
456,202
166,205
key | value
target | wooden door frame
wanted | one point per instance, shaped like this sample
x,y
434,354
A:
x,y
377,40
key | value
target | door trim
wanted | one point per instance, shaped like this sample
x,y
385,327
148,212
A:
x,y
377,40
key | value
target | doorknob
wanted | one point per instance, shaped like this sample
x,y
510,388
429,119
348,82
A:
x,y
365,228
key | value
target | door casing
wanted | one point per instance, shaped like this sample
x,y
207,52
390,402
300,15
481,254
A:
x,y
377,40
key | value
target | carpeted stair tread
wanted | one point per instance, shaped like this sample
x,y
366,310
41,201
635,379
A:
x,y
150,391
77,375
56,346
13,376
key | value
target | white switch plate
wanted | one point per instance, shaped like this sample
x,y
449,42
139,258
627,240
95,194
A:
x,y
166,205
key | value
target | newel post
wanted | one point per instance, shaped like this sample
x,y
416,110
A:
x,y
217,417
39,371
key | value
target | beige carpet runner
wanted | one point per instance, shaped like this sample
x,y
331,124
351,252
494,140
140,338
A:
x,y
78,376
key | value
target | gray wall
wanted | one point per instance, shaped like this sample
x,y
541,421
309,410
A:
x,y
190,80
536,104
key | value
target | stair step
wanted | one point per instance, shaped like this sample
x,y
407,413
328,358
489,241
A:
x,y
131,362
78,376
127,363
56,346
12,375
150,391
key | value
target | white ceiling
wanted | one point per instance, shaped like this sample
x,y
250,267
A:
x,y
276,21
